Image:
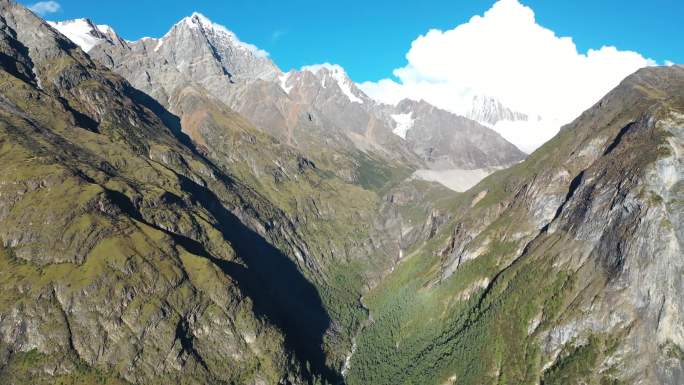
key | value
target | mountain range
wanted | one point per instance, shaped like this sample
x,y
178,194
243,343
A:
x,y
180,210
299,108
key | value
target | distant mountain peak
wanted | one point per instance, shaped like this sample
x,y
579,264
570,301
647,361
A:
x,y
412,104
490,111
209,54
328,72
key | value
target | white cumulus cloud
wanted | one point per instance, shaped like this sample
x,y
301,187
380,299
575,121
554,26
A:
x,y
45,7
506,55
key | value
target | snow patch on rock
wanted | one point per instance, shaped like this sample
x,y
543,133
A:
x,y
160,42
104,28
283,79
404,123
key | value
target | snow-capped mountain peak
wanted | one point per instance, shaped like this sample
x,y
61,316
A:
x,y
198,21
205,50
490,111
84,32
334,72
104,28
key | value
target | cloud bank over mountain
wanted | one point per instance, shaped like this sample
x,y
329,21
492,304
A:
x,y
505,54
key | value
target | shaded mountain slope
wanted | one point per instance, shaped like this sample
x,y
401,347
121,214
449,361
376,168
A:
x,y
124,248
287,240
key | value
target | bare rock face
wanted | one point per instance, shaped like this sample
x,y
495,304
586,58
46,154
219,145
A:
x,y
210,55
447,141
328,90
194,50
622,211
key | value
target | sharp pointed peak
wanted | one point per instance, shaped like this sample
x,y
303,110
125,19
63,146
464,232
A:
x,y
337,74
198,19
199,22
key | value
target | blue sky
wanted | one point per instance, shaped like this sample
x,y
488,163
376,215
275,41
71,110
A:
x,y
371,38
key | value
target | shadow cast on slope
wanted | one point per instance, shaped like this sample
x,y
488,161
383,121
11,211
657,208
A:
x,y
278,289
170,120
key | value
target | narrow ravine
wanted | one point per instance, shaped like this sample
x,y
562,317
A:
x,y
368,320
362,326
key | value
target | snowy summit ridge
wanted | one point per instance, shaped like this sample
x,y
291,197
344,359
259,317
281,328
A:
x,y
337,73
84,32
199,21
